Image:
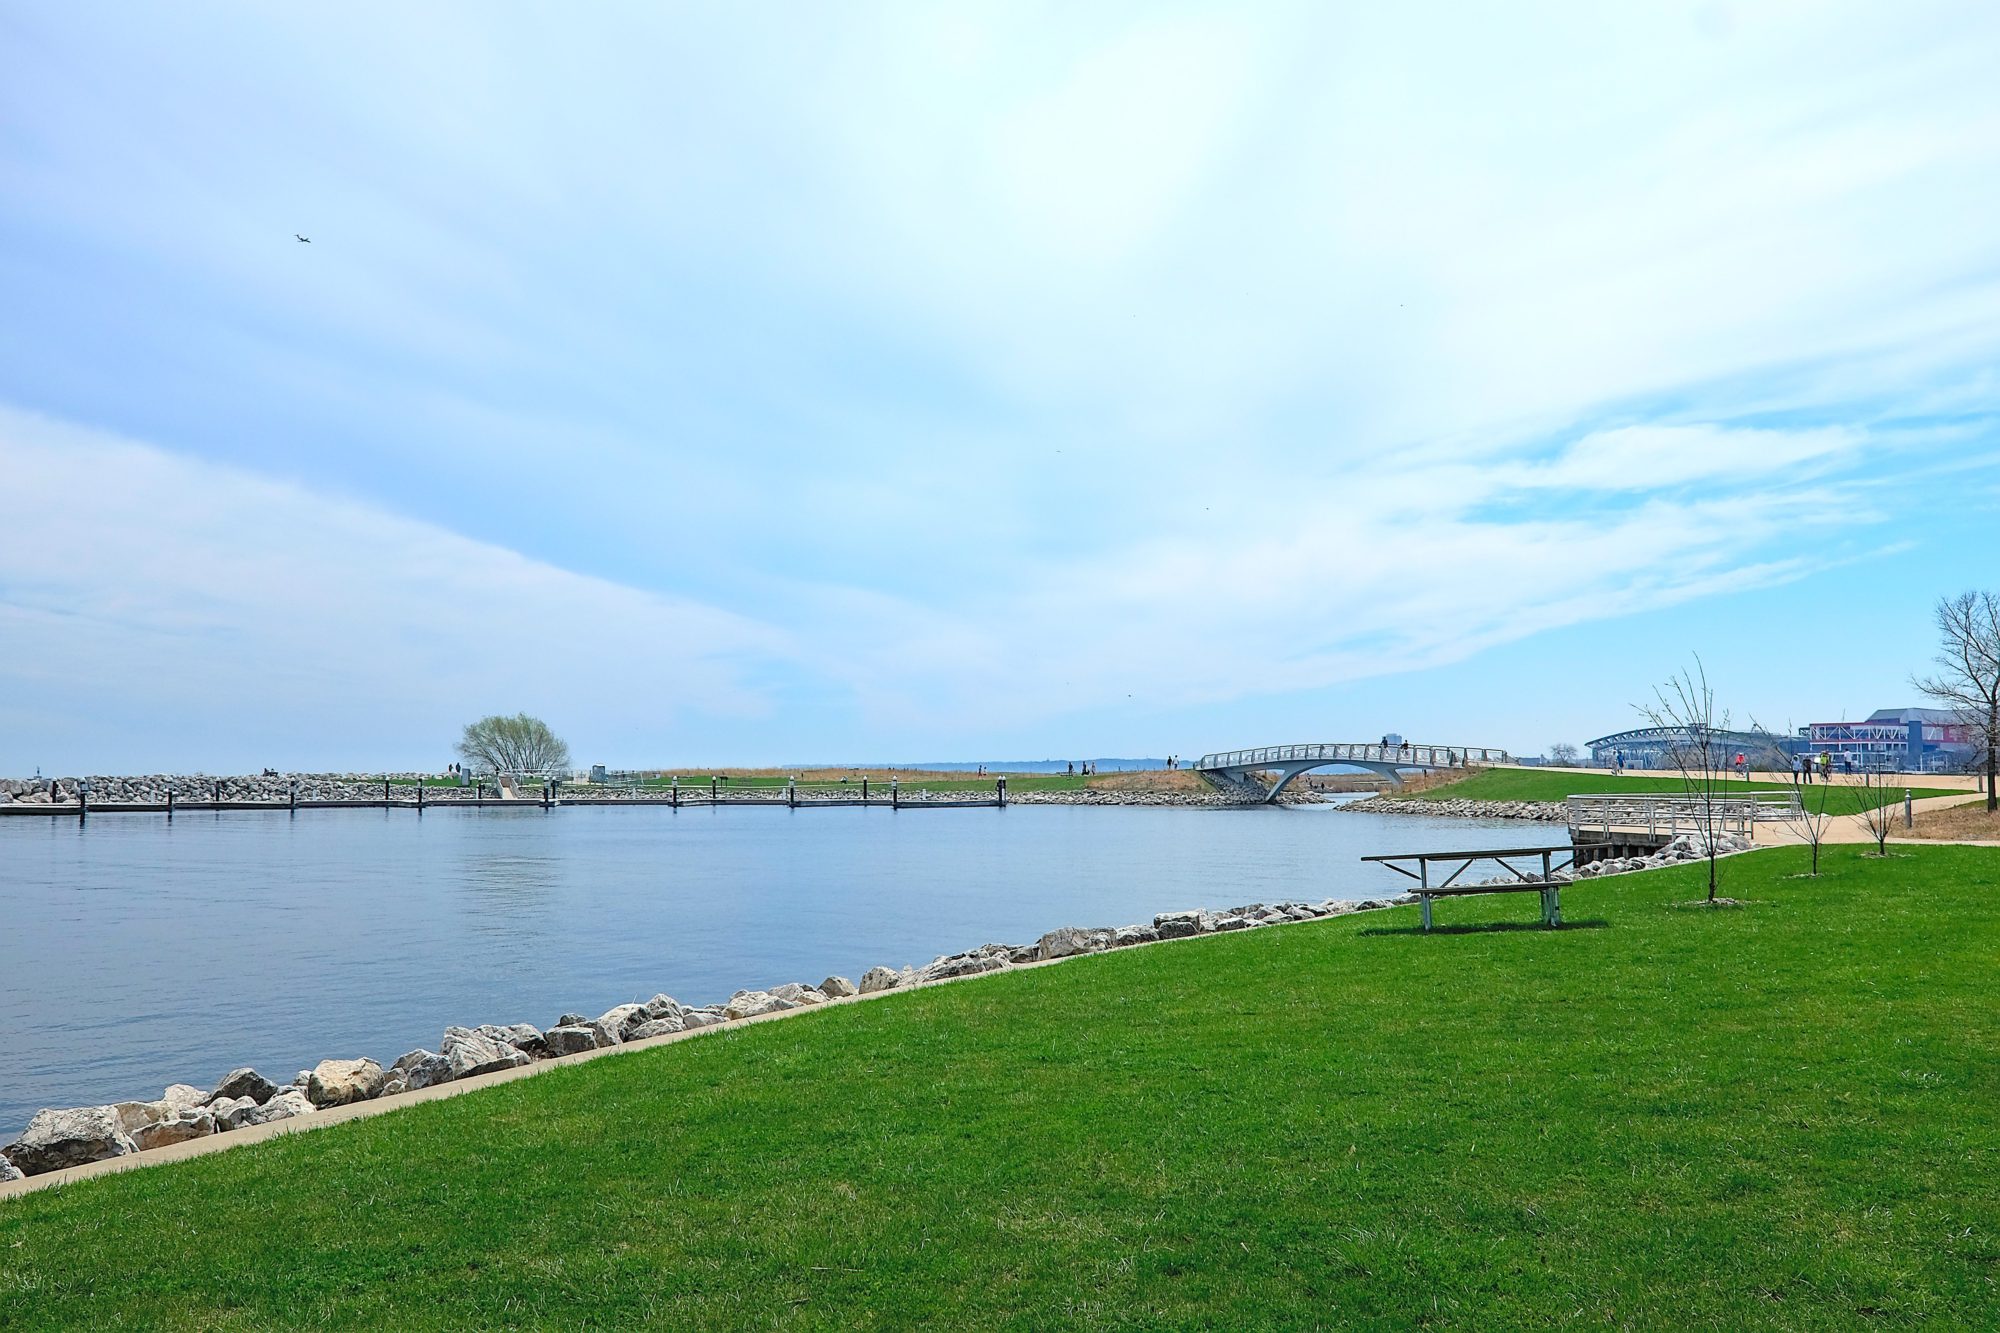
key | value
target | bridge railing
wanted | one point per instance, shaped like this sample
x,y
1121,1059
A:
x,y
1674,815
1335,752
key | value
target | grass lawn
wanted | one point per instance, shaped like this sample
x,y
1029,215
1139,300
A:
x,y
1783,1116
1528,784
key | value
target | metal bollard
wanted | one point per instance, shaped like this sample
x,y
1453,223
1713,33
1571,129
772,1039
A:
x,y
1001,786
864,791
385,793
675,791
83,800
420,795
295,796
170,803
895,793
711,789
1909,810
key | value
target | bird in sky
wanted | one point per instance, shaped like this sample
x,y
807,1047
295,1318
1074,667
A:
x,y
302,240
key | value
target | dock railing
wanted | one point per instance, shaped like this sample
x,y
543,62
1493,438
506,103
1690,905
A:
x,y
1670,816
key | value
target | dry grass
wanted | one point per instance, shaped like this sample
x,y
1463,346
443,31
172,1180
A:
x,y
1157,779
1957,823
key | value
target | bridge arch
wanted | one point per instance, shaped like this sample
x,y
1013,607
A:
x,y
1236,767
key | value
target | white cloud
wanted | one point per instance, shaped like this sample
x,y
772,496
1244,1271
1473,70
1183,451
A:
x,y
1635,458
140,583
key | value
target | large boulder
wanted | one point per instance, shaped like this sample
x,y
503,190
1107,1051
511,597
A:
x,y
1126,936
878,979
135,1116
799,993
837,988
184,1094
244,1083
56,1139
338,1082
750,1003
466,1052
959,965
524,1037
1178,925
657,1027
420,1068
8,1171
663,1006
288,1103
571,1038
1071,940
184,1124
229,1112
611,1024
704,1018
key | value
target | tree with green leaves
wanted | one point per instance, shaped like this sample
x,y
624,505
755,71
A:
x,y
517,744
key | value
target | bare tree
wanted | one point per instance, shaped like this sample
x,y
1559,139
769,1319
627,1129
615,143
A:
x,y
518,744
1878,809
1807,815
1563,754
1968,676
1686,705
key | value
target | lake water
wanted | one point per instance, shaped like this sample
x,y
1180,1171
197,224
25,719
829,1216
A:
x,y
137,952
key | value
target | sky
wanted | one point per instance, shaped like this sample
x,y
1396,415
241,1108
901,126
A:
x,y
872,382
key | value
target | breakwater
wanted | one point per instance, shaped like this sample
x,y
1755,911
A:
x,y
166,793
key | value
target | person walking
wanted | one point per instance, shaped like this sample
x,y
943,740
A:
x,y
1795,770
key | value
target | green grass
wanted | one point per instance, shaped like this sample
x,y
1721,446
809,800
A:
x,y
1781,1116
1528,784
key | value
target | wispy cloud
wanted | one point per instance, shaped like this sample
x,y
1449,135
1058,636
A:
x,y
962,371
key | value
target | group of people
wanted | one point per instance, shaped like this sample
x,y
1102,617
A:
x,y
1089,767
1803,766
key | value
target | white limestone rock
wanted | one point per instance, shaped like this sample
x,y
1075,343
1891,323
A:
x,y
751,1003
55,1139
879,979
338,1082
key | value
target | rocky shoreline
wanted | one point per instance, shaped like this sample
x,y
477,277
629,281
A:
x,y
1546,812
199,789
58,1138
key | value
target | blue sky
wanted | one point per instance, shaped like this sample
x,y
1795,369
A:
x,y
802,382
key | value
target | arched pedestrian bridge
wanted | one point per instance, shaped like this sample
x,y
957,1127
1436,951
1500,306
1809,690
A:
x,y
1235,767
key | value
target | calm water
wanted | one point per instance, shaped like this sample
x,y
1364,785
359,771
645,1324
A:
x,y
135,952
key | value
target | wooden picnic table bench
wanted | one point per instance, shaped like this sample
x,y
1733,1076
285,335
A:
x,y
1545,884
